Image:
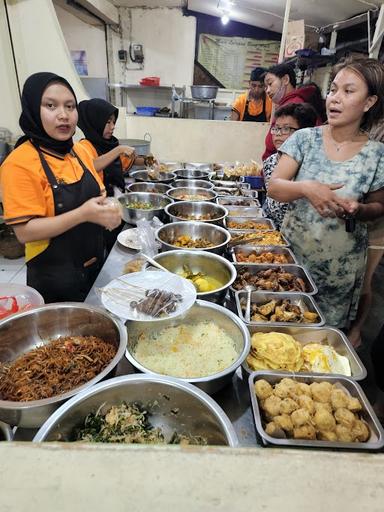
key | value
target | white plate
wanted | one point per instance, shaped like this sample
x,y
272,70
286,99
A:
x,y
129,238
146,280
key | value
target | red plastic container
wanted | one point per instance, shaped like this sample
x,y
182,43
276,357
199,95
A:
x,y
150,80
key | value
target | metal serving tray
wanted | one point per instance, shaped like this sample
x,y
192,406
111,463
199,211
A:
x,y
267,222
305,302
296,270
237,232
260,249
230,184
376,440
238,200
308,334
245,211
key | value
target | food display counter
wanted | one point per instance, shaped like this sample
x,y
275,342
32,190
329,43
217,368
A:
x,y
234,399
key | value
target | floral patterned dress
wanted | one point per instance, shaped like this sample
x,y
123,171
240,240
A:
x,y
272,209
335,258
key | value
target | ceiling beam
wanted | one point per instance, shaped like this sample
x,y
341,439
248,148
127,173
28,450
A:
x,y
103,9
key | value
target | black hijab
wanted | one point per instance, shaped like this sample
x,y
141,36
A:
x,y
93,116
30,120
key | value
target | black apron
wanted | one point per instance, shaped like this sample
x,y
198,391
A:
x,y
67,268
114,177
260,118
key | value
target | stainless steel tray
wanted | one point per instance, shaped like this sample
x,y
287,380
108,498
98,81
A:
x,y
230,184
259,249
377,434
237,232
245,211
308,334
296,270
305,302
261,220
238,200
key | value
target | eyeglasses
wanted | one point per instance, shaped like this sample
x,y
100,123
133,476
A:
x,y
283,130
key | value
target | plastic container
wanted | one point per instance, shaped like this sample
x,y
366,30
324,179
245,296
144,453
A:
x,y
256,182
146,111
15,298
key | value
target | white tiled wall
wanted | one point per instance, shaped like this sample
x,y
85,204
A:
x,y
13,271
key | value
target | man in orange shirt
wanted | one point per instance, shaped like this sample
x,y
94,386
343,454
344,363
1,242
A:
x,y
253,105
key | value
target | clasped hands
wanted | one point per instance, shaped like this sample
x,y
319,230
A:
x,y
327,203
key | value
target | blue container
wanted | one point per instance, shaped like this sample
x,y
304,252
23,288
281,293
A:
x,y
146,111
256,182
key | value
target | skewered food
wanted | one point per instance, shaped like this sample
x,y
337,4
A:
x,y
262,257
280,310
128,423
249,224
54,368
272,279
287,417
157,303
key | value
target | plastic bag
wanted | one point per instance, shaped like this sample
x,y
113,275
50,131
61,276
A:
x,y
146,235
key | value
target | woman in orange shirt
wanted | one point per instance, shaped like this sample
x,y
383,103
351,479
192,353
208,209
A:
x,y
97,120
52,195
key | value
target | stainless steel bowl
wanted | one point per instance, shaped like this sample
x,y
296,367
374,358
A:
x,y
24,331
5,432
201,261
151,187
204,92
192,183
217,235
192,174
161,396
187,194
181,209
201,311
132,215
164,177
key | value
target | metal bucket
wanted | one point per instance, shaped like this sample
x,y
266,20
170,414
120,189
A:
x,y
142,146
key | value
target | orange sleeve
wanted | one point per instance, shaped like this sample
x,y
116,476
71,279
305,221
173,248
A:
x,y
239,105
84,143
24,193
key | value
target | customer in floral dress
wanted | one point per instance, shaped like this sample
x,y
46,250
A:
x,y
332,173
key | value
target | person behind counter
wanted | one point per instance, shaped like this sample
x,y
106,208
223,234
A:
x,y
253,105
288,119
333,176
280,86
52,195
97,120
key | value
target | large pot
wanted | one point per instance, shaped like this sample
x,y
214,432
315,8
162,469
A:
x,y
173,406
204,92
142,146
24,331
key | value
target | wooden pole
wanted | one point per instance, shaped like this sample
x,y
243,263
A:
x,y
285,30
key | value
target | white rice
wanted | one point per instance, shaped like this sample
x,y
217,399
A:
x,y
187,350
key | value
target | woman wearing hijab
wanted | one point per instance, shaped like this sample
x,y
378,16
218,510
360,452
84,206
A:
x,y
97,120
52,195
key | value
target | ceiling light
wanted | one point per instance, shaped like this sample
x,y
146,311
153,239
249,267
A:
x,y
224,19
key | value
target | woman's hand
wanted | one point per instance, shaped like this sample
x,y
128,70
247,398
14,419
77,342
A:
x,y
323,199
100,210
127,150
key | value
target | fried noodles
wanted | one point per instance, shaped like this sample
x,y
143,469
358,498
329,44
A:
x,y
54,368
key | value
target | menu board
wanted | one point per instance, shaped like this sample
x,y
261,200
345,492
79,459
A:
x,y
231,59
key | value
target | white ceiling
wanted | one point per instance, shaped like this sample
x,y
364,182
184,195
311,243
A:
x,y
269,13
